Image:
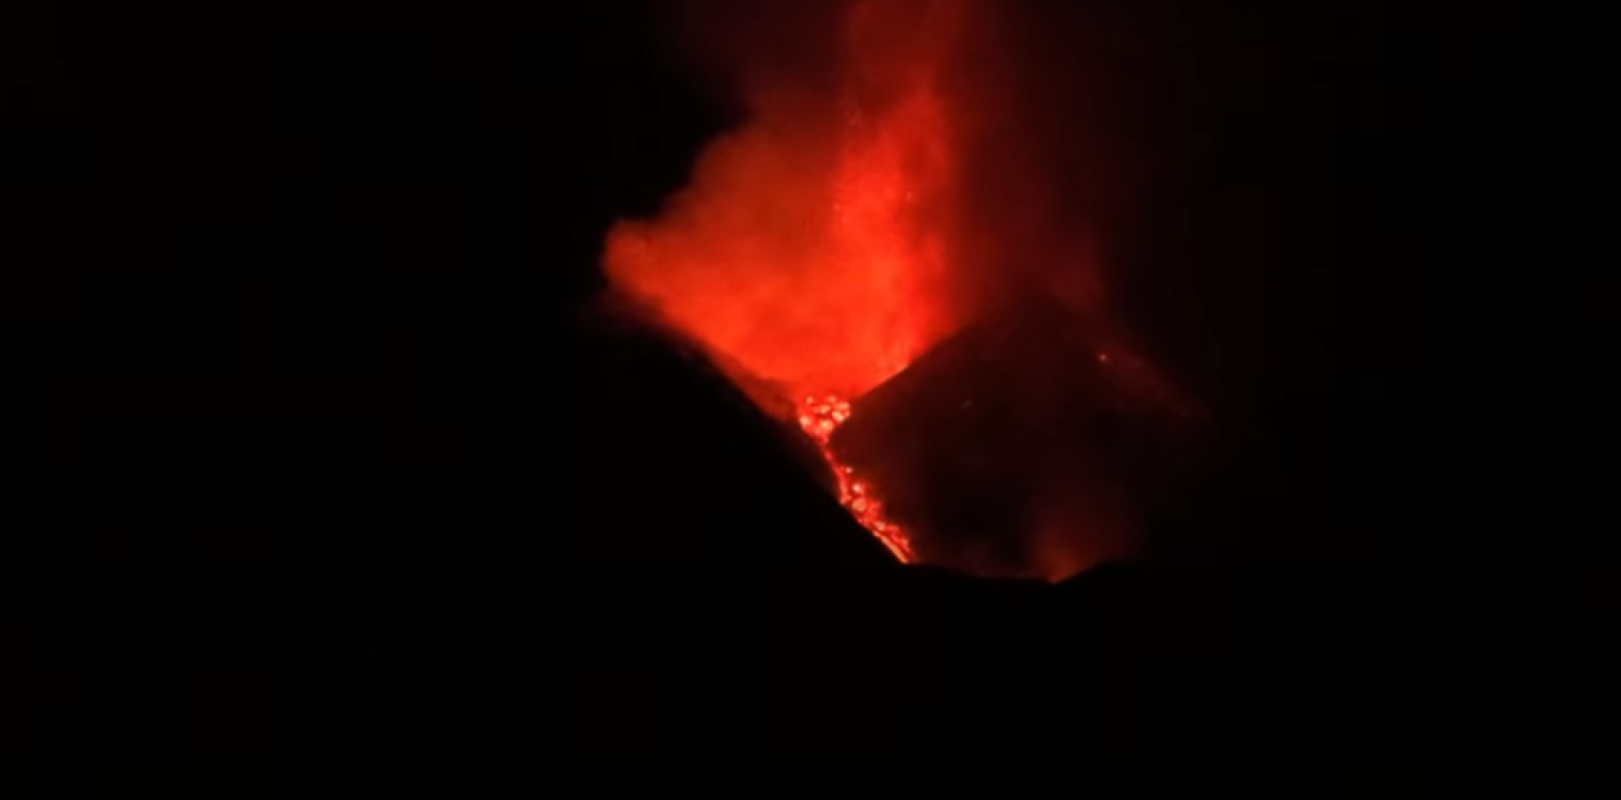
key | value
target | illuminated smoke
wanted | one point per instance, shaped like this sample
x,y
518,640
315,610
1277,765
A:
x,y
812,245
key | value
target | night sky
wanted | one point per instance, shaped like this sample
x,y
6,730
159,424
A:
x,y
326,445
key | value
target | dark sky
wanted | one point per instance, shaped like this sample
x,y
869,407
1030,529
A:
x,y
323,446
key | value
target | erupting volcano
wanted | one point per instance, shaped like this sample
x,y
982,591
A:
x,y
835,239
811,247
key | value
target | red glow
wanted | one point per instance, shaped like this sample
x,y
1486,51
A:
x,y
902,190
863,215
810,248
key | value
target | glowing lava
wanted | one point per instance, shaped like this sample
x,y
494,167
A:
x,y
820,417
